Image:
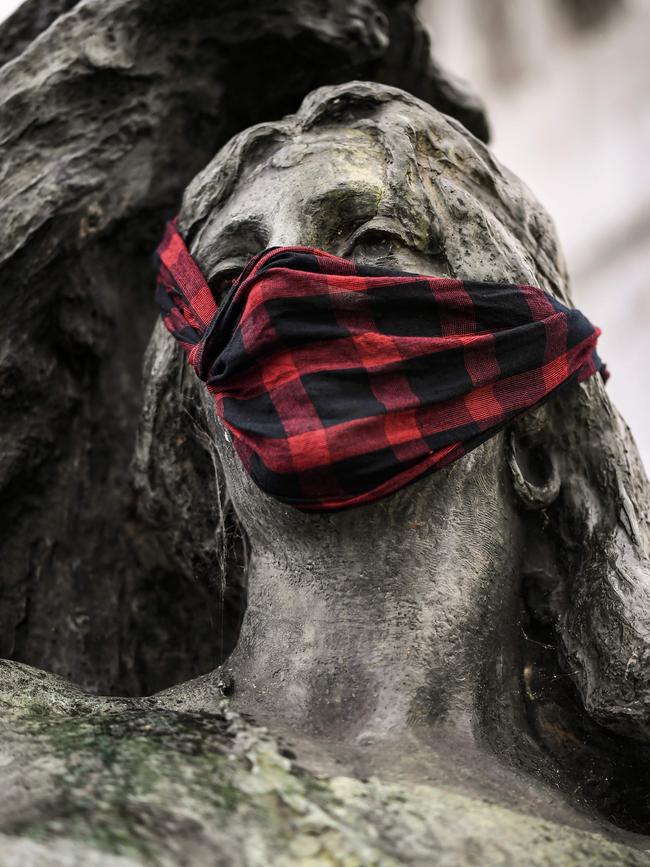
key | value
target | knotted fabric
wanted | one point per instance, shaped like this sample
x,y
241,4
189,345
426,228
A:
x,y
341,383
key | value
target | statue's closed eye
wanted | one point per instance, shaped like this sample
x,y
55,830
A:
x,y
375,240
223,278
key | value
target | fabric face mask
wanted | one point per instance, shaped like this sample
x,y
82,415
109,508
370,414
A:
x,y
341,383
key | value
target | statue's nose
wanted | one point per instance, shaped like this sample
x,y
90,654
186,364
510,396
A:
x,y
288,235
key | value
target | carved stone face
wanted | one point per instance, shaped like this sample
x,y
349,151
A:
x,y
434,567
406,615
330,191
414,192
325,191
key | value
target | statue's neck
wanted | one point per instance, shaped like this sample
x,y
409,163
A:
x,y
361,647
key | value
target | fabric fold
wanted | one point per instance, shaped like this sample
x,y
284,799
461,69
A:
x,y
341,383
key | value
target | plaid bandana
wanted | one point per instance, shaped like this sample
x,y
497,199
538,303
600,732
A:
x,y
341,383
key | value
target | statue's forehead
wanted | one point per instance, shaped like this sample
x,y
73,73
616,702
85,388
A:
x,y
349,143
343,159
428,180
323,156
309,169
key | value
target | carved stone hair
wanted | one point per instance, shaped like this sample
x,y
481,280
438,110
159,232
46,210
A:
x,y
416,138
586,585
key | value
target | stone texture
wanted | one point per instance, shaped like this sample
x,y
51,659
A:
x,y
117,784
463,679
500,635
104,119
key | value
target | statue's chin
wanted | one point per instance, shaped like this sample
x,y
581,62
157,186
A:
x,y
459,505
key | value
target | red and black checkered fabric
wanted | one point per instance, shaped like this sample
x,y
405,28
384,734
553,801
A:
x,y
341,383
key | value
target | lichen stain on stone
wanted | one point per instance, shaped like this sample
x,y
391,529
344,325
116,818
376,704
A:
x,y
168,788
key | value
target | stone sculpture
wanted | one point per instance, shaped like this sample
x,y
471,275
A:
x,y
105,118
457,674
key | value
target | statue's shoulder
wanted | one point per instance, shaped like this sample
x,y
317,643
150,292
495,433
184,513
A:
x,y
130,782
29,692
207,693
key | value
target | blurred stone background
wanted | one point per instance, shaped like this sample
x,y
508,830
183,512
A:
x,y
567,85
7,7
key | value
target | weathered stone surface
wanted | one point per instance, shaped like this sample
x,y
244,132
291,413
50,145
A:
x,y
455,675
104,119
473,613
116,784
448,675
28,21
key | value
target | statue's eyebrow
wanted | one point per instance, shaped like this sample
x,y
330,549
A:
x,y
232,244
246,232
341,210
